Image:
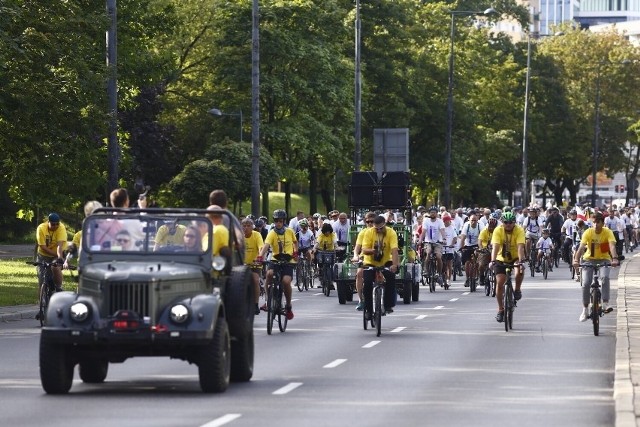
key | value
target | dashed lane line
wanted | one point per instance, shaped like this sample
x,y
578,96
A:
x,y
288,388
422,316
371,344
454,299
335,363
225,419
399,329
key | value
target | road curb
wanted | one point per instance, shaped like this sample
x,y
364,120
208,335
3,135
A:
x,y
15,313
623,391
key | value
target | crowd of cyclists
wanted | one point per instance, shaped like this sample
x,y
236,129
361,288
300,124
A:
x,y
468,241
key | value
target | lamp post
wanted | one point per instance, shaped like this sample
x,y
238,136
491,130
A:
x,y
113,148
255,110
449,136
524,126
358,94
596,136
217,112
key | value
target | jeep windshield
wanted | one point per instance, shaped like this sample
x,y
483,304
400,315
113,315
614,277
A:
x,y
136,232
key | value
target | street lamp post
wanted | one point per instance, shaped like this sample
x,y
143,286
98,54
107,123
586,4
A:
x,y
358,93
596,136
217,112
524,126
449,136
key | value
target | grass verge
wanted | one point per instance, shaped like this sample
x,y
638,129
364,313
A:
x,y
19,282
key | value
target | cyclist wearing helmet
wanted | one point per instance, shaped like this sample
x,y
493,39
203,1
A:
x,y
507,244
569,229
469,243
282,241
259,226
544,245
306,239
484,219
432,236
252,243
51,238
533,229
484,245
295,221
369,217
554,224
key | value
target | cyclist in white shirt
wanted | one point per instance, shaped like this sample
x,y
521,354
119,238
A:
x,y
569,229
469,243
432,235
533,229
341,228
450,240
544,246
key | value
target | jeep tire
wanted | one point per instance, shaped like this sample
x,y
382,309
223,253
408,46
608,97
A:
x,y
240,309
214,360
56,368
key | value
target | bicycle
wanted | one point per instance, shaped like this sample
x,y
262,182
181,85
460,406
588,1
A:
x,y
46,288
326,260
490,283
276,299
595,301
378,295
303,273
509,298
430,269
473,273
546,264
532,258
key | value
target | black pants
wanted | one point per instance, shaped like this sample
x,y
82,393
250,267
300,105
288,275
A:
x,y
389,289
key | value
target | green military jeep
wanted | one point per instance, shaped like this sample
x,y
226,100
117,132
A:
x,y
146,290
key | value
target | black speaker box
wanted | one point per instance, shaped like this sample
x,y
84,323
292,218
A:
x,y
363,189
395,188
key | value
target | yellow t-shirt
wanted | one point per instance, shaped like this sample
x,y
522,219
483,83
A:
x,y
281,243
220,238
484,239
598,245
164,237
387,242
252,246
50,238
508,242
326,242
77,238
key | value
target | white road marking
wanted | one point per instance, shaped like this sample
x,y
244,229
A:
x,y
466,293
335,363
422,316
454,299
295,299
222,420
286,389
399,329
319,293
438,307
371,344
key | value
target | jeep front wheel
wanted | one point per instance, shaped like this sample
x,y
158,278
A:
x,y
214,360
56,369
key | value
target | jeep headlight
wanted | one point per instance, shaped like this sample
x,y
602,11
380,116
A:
x,y
79,312
179,313
218,263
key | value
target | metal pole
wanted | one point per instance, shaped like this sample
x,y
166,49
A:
x,y
449,136
113,150
358,95
524,126
596,135
255,111
241,139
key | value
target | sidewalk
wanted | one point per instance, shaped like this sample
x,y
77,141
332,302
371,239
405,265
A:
x,y
626,386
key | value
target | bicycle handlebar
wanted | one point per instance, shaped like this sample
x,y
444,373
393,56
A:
x,y
50,264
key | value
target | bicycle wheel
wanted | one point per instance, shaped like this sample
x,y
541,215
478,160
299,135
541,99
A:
x,y
44,303
270,309
432,275
595,311
377,310
545,267
300,276
507,301
326,280
365,322
532,266
473,280
282,314
556,258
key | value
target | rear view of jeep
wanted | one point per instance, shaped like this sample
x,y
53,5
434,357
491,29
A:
x,y
150,285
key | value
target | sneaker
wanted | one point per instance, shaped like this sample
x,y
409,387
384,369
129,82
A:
x,y
264,307
388,310
257,311
360,306
500,316
584,315
289,312
538,270
606,308
517,295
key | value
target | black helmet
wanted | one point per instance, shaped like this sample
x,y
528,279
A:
x,y
326,228
433,208
279,214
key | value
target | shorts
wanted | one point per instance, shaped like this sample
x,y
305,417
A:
x,y
285,269
534,236
499,268
483,258
437,248
467,251
448,256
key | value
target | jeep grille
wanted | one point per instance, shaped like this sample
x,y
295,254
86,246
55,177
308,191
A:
x,y
129,296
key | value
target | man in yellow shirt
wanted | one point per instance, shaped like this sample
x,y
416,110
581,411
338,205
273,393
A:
x,y
282,241
357,250
252,244
484,242
380,248
169,234
220,235
507,243
51,237
598,244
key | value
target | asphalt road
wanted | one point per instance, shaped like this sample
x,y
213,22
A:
x,y
441,361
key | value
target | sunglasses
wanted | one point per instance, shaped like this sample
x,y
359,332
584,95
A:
x,y
508,222
278,220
